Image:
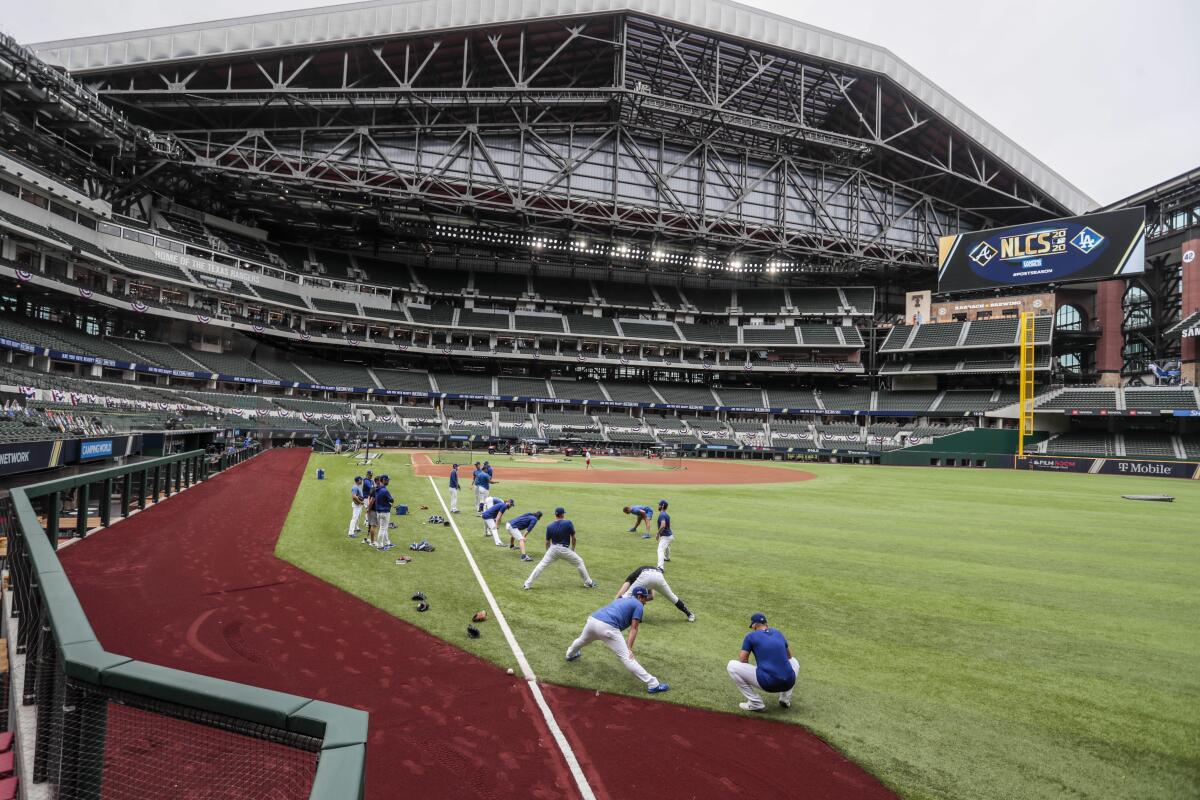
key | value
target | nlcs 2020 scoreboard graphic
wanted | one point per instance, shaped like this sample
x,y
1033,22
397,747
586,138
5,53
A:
x,y
1087,248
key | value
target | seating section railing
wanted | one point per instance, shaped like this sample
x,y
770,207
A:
x,y
92,708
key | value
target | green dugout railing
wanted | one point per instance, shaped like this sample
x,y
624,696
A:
x,y
94,708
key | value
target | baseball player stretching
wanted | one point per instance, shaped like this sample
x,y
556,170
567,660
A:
x,y
454,488
605,625
521,527
560,543
492,515
665,536
652,578
356,505
641,514
776,668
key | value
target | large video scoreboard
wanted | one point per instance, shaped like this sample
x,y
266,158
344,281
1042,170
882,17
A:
x,y
1087,248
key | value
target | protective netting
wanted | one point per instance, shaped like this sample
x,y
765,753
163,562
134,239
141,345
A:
x,y
91,743
153,755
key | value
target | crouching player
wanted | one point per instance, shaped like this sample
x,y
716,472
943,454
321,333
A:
x,y
775,668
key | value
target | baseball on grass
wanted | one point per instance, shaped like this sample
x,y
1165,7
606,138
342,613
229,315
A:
x,y
509,671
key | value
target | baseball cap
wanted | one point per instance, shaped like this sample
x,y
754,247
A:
x,y
758,618
358,477
560,511
370,473
512,502
455,466
640,591
662,503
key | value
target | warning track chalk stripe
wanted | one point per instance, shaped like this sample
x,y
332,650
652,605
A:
x,y
560,739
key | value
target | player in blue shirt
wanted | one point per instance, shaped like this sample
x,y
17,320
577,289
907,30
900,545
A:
x,y
483,484
774,668
368,490
641,514
454,488
489,469
383,514
492,515
521,527
665,535
605,625
560,543
357,504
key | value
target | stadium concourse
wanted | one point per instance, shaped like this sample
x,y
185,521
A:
x,y
443,722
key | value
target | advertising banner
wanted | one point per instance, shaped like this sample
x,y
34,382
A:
x,y
29,456
1111,466
1155,469
100,448
1087,248
992,307
1057,464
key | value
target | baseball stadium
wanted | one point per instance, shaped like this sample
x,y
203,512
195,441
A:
x,y
869,441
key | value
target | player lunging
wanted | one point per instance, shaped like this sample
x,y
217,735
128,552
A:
x,y
560,543
605,625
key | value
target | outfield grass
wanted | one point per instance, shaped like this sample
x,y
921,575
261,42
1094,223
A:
x,y
962,633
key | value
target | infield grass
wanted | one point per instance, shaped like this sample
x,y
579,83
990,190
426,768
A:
x,y
961,633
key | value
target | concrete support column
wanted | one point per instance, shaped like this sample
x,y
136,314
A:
x,y
1110,317
1190,348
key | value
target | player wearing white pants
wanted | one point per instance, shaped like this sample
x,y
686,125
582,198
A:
x,y
653,579
482,484
454,488
774,670
665,535
560,544
605,625
383,520
493,514
356,505
382,509
519,528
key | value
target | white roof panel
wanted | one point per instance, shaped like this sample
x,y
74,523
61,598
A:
x,y
379,18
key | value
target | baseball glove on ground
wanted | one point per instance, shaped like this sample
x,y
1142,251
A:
x,y
480,616
472,631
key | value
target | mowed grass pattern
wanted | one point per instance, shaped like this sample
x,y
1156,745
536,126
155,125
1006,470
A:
x,y
962,633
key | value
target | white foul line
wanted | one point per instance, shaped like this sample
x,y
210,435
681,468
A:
x,y
564,746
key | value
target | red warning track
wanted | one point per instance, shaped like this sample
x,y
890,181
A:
x,y
194,584
695,472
